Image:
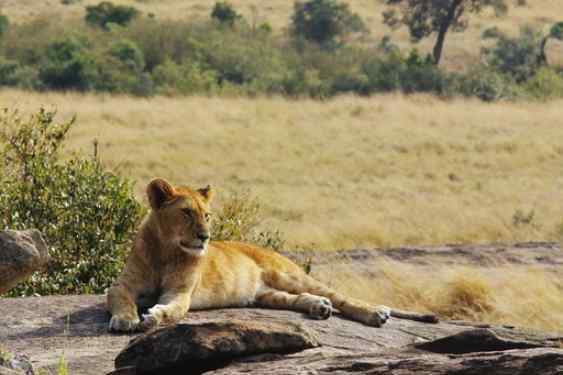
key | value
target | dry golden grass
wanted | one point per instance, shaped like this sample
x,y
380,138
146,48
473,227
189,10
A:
x,y
519,296
347,172
461,48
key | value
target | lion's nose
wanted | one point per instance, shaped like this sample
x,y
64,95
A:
x,y
203,236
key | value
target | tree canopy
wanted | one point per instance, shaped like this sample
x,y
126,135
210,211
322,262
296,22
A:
x,y
426,17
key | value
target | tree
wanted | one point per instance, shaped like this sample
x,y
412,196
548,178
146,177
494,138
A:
x,y
324,21
106,12
518,57
425,17
224,13
556,32
523,56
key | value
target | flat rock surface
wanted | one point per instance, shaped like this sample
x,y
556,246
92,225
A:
x,y
547,255
45,328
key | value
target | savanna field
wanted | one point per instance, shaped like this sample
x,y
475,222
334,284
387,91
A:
x,y
354,172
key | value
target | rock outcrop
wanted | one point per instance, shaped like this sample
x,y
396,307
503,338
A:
x,y
46,328
207,346
21,253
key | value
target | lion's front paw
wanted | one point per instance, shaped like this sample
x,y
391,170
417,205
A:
x,y
321,308
120,324
379,316
152,319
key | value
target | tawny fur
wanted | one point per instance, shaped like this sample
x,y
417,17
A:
x,y
173,259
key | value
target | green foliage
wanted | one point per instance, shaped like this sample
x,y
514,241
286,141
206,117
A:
x,y
424,18
225,13
492,33
408,74
545,84
485,84
325,22
519,57
186,79
68,65
159,56
4,24
106,13
557,31
239,219
86,213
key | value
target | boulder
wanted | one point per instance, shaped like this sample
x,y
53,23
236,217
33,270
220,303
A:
x,y
206,346
21,253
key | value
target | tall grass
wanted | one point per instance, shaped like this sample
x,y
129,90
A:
x,y
348,172
509,295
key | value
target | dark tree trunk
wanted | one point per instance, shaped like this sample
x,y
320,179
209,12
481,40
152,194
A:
x,y
444,26
542,58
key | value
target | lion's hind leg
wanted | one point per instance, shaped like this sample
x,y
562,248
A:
x,y
316,307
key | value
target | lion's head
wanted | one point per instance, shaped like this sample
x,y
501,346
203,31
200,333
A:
x,y
182,215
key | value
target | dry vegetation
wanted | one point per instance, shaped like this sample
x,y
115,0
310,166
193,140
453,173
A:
x,y
519,296
347,172
461,48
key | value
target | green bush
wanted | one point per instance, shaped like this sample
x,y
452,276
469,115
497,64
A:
x,y
517,57
186,79
106,13
68,64
258,65
546,84
4,24
486,84
393,72
86,213
162,40
239,219
225,13
325,22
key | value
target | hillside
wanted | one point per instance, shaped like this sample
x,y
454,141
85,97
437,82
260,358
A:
x,y
461,48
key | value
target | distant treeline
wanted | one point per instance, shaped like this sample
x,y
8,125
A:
x,y
117,49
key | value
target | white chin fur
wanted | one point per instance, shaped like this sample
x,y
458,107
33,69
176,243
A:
x,y
196,251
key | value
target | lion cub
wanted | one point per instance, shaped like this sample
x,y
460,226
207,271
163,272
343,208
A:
x,y
173,259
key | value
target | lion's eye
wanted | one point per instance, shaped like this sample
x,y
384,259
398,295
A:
x,y
207,216
187,213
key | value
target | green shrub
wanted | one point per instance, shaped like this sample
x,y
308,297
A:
x,y
4,24
106,13
486,84
545,84
517,57
225,13
492,33
8,70
68,65
393,72
325,22
162,40
186,79
239,219
86,213
128,53
258,65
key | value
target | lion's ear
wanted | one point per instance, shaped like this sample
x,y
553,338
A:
x,y
159,191
207,193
